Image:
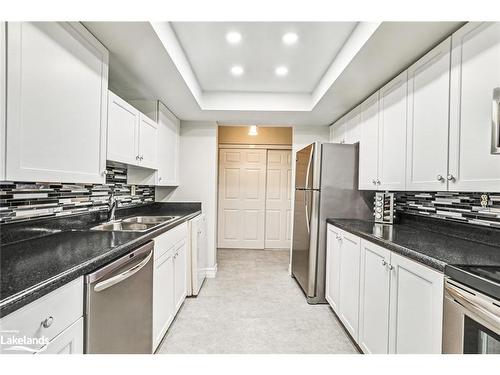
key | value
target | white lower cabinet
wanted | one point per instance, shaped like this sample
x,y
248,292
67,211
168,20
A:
x,y
54,321
180,271
169,279
332,286
388,303
70,341
163,296
374,299
349,282
416,308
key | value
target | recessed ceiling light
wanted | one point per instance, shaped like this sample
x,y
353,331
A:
x,y
281,71
233,37
237,70
290,38
253,130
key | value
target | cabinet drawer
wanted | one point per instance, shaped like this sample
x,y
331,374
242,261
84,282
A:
x,y
168,239
70,341
64,305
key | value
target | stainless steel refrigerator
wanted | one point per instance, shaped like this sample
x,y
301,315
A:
x,y
326,186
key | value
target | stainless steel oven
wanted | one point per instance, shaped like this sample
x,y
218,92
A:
x,y
471,321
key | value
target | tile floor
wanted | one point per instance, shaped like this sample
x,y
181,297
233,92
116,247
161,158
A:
x,y
253,306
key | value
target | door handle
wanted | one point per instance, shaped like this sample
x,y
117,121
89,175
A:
x,y
103,285
495,122
306,206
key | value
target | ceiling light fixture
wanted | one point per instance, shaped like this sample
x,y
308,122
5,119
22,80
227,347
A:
x,y
253,130
233,37
281,71
290,38
237,70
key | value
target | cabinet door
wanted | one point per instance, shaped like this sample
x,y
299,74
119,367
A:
x,y
168,147
475,73
147,142
338,135
428,114
332,286
70,341
353,126
374,299
416,308
392,134
180,265
3,76
123,131
368,145
349,282
163,295
56,113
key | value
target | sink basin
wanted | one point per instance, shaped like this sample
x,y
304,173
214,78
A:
x,y
149,219
135,224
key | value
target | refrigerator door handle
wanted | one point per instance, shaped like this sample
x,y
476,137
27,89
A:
x,y
306,206
308,171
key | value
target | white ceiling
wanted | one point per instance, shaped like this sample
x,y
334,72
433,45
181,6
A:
x,y
259,52
147,61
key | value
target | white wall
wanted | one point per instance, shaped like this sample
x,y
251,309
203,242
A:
x,y
198,177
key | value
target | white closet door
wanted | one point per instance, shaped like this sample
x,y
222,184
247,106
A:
x,y
278,199
475,73
242,198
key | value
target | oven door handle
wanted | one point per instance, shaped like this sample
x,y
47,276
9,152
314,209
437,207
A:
x,y
472,303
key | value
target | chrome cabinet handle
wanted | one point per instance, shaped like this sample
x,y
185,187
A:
x,y
440,178
105,172
391,267
451,177
137,157
495,122
48,322
384,263
374,182
378,181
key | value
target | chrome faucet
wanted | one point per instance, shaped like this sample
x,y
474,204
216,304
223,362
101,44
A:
x,y
112,206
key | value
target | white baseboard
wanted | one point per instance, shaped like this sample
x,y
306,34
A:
x,y
211,272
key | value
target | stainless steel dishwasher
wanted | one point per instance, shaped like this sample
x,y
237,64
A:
x,y
119,305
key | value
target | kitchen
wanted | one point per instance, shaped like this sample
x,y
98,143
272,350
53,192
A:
x,y
208,187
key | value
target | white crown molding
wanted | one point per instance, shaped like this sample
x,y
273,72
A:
x,y
262,101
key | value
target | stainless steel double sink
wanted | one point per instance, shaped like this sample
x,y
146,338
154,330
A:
x,y
135,224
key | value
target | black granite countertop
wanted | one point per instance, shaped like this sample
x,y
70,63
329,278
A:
x,y
40,256
432,242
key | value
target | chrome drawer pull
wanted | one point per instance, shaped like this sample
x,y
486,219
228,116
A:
x,y
48,322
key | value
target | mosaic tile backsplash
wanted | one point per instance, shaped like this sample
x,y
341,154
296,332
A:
x,y
463,207
27,200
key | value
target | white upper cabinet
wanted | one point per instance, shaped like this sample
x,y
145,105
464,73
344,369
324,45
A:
x,y
132,136
123,130
337,131
168,147
353,126
475,73
416,308
147,142
57,79
392,134
3,54
368,145
428,108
